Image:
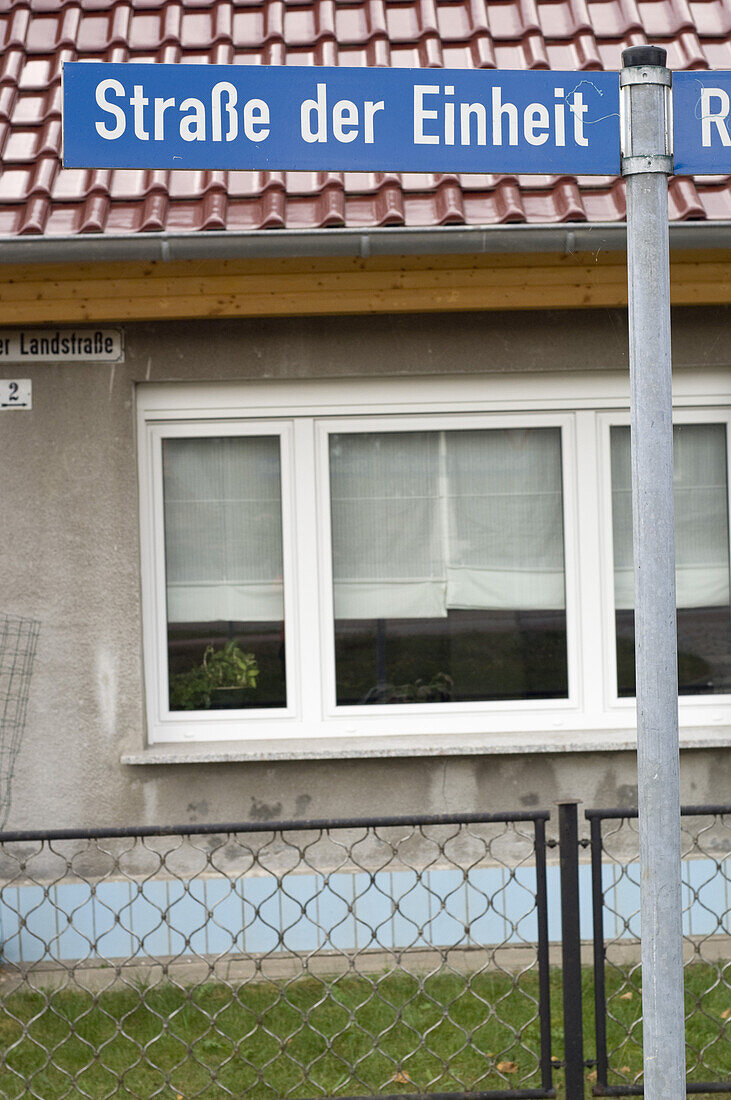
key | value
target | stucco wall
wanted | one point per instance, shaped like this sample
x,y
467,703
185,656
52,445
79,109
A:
x,y
70,558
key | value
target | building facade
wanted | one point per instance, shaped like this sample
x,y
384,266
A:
x,y
337,520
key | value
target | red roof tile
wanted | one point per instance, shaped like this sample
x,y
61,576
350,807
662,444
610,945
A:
x,y
38,197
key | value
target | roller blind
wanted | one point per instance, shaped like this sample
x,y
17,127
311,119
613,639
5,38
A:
x,y
701,516
423,522
223,529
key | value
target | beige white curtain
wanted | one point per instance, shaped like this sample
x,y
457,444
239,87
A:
x,y
424,522
223,529
701,516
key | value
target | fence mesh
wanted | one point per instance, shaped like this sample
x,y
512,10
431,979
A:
x,y
18,638
285,962
706,871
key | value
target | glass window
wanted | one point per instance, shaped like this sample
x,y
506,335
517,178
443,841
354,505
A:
x,y
701,554
448,566
223,563
449,559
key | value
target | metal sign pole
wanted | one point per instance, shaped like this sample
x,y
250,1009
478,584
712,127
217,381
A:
x,y
646,164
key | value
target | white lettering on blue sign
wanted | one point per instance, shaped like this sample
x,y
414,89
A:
x,y
468,121
131,115
345,118
461,122
196,115
702,122
715,109
282,118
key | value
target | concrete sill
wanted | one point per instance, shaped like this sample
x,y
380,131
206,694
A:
x,y
358,748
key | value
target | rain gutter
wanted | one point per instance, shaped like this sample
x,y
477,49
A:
x,y
270,243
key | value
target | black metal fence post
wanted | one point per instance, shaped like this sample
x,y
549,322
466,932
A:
x,y
568,838
544,980
600,995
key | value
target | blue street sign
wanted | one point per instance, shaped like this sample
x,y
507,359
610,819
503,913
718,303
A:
x,y
702,123
339,119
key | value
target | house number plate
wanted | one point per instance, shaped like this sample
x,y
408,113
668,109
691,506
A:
x,y
15,393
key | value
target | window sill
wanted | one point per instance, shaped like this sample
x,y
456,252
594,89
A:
x,y
351,748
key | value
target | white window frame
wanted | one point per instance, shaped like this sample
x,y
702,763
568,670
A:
x,y
419,718
304,413
210,725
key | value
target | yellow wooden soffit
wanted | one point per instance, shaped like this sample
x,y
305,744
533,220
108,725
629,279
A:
x,y
146,291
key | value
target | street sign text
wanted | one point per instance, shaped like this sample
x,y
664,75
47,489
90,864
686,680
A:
x,y
340,119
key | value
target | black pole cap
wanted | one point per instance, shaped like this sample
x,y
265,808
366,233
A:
x,y
644,55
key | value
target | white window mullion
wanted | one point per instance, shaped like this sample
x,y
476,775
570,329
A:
x,y
325,572
290,575
308,642
156,666
605,422
594,558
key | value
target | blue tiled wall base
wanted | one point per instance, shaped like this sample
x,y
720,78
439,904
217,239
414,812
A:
x,y
254,915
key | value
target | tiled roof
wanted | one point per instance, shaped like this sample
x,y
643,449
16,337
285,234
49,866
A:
x,y
38,197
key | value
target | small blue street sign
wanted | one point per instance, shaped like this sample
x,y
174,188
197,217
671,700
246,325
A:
x,y
339,119
702,123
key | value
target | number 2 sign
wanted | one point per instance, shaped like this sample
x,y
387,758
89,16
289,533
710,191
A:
x,y
15,393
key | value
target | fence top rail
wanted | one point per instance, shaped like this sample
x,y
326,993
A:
x,y
686,811
298,825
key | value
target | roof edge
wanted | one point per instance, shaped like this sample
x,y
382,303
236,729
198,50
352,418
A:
x,y
567,238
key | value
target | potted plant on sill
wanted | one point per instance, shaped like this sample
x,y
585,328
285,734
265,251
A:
x,y
222,680
437,690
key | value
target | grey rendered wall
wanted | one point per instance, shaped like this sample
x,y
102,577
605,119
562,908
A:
x,y
69,557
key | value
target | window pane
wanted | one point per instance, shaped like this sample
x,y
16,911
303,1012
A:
x,y
448,566
223,558
701,558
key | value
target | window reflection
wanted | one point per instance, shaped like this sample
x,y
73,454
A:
x,y
223,556
448,564
701,559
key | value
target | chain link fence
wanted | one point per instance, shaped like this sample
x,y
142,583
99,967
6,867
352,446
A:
x,y
282,960
18,640
706,854
399,956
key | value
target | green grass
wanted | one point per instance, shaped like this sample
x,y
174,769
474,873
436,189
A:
x,y
254,1040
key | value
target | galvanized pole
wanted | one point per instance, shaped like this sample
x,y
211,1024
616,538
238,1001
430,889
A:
x,y
646,164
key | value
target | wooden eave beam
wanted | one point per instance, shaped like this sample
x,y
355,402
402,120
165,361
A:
x,y
153,290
